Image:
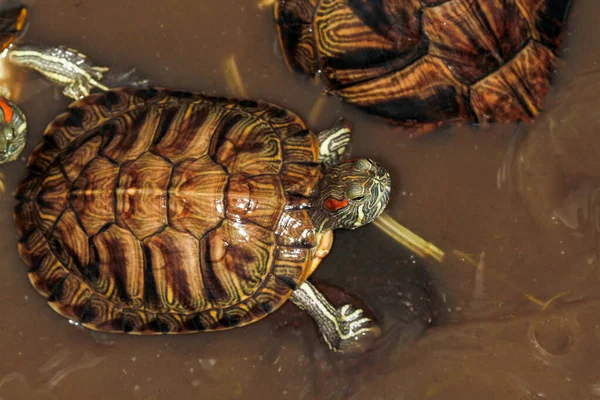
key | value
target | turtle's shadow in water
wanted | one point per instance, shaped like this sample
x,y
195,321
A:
x,y
369,270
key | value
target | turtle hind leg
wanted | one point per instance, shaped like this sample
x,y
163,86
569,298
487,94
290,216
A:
x,y
334,143
345,330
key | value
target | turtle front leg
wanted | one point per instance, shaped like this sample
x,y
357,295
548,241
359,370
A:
x,y
344,329
334,143
61,65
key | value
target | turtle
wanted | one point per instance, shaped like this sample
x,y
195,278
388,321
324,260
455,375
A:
x,y
421,64
161,211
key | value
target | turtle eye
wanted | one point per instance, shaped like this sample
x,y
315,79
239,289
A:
x,y
355,192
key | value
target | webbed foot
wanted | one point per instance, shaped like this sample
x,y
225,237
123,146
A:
x,y
334,143
354,328
345,330
77,89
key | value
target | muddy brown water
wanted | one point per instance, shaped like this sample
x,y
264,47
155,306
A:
x,y
522,201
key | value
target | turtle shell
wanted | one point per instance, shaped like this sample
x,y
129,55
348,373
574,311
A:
x,y
422,63
160,211
12,25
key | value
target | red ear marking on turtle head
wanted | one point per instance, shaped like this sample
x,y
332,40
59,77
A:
x,y
7,110
333,204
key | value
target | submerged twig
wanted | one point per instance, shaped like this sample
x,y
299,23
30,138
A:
x,y
504,175
86,361
233,77
547,304
410,240
470,260
2,186
317,110
479,289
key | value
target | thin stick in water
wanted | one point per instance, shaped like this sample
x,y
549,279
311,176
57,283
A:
x,y
410,240
469,259
317,110
233,77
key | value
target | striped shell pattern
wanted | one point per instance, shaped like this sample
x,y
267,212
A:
x,y
422,63
160,211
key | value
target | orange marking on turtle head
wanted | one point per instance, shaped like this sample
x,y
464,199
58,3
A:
x,y
333,204
6,110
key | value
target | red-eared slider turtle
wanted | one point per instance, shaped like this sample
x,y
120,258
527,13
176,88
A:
x,y
422,63
158,211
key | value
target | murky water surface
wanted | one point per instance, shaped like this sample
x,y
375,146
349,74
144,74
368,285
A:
x,y
522,202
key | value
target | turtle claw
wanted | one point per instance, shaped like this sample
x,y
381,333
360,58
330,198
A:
x,y
76,90
349,314
101,70
352,322
352,327
344,329
128,79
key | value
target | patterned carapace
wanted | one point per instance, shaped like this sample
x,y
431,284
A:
x,y
160,211
423,63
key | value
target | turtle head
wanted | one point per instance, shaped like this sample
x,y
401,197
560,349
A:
x,y
351,194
